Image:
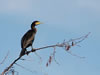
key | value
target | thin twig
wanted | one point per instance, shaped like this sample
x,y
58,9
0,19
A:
x,y
25,68
5,58
75,55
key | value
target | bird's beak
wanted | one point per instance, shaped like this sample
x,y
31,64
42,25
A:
x,y
39,23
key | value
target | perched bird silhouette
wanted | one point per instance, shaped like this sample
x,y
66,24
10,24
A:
x,y
28,38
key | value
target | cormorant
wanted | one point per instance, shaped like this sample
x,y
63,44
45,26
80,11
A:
x,y
28,38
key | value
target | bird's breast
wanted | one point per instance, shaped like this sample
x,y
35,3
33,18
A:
x,y
35,30
32,37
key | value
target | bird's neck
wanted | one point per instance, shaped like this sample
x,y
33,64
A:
x,y
34,29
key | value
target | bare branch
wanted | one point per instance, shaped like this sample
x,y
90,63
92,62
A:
x,y
10,66
65,44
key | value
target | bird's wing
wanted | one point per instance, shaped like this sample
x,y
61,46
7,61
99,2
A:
x,y
27,39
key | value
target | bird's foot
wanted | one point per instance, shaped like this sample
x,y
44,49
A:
x,y
33,50
27,52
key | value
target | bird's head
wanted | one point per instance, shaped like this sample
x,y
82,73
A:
x,y
35,23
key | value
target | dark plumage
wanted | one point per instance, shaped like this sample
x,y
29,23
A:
x,y
28,37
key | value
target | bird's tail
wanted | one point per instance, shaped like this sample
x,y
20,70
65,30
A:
x,y
22,52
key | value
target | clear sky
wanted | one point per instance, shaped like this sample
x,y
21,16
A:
x,y
63,19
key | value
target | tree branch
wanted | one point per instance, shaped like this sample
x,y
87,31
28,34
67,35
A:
x,y
10,66
65,44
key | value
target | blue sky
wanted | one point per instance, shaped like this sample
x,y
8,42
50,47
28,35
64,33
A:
x,y
63,19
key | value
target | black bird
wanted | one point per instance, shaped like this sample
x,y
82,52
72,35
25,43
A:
x,y
28,38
